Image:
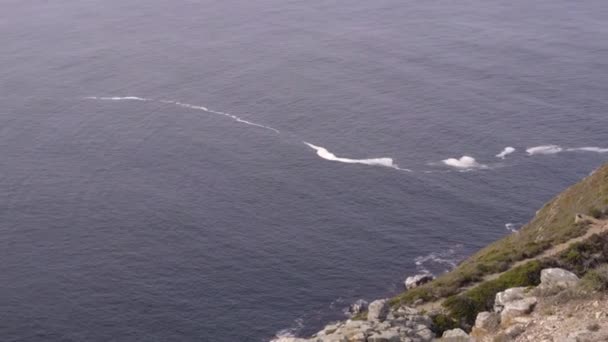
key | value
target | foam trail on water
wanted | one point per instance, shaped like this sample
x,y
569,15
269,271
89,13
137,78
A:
x,y
544,149
233,117
464,163
589,149
117,98
508,150
325,154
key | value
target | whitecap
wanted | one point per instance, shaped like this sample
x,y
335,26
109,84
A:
x,y
464,163
507,150
589,149
544,149
325,154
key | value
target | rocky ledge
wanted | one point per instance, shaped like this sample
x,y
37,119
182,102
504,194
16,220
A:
x,y
383,324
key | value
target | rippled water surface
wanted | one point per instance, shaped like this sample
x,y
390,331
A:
x,y
228,170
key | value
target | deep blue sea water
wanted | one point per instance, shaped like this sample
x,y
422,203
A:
x,y
175,216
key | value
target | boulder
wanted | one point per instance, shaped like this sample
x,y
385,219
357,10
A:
x,y
417,280
455,335
487,321
517,308
508,295
377,310
557,279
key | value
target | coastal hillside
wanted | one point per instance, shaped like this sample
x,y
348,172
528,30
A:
x,y
528,286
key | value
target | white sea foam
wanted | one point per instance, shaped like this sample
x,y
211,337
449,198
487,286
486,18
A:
x,y
445,260
508,150
464,163
589,149
511,227
544,149
117,98
325,154
297,326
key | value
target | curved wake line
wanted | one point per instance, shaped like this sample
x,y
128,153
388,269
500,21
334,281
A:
x,y
554,149
325,154
184,105
116,98
233,117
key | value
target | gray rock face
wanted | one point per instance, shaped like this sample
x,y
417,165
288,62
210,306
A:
x,y
385,336
557,279
487,321
517,308
508,295
455,335
377,310
417,280
514,331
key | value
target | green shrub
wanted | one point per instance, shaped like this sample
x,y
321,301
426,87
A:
x,y
596,279
596,213
442,323
465,307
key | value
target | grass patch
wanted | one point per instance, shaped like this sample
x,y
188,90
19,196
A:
x,y
465,307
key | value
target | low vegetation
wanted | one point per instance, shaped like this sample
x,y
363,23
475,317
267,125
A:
x,y
552,225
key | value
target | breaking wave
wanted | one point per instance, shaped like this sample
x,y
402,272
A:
x,y
443,261
325,154
511,227
544,149
292,331
464,163
508,150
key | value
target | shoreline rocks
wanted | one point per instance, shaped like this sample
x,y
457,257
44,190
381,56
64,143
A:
x,y
417,280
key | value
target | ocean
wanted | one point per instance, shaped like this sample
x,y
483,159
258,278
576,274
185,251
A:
x,y
235,170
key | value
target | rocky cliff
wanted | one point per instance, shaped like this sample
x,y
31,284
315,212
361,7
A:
x,y
547,282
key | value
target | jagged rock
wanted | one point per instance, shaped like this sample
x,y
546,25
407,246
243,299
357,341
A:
x,y
487,321
377,310
517,308
385,336
417,280
331,328
508,295
557,279
455,335
425,334
357,307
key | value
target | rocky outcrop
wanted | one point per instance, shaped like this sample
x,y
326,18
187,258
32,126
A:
x,y
517,308
377,310
401,324
417,280
507,296
455,335
556,279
